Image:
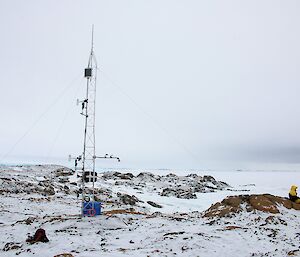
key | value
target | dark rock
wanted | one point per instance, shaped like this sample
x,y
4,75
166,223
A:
x,y
207,178
49,190
179,193
126,176
147,177
29,220
116,174
193,176
174,233
63,180
199,188
63,172
11,246
128,199
39,236
153,204
64,255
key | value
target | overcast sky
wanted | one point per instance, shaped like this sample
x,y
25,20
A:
x,y
184,84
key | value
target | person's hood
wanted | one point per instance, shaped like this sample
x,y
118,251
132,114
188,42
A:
x,y
293,188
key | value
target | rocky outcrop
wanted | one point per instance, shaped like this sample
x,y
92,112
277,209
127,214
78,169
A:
x,y
179,193
128,199
11,246
64,255
61,172
39,236
235,204
184,187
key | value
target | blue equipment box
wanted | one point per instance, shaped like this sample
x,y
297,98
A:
x,y
91,208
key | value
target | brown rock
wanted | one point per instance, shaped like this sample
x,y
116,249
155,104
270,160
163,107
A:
x,y
265,202
296,206
293,252
220,210
280,200
64,255
232,227
262,203
39,236
233,201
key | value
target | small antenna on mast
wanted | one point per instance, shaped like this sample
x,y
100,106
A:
x,y
92,49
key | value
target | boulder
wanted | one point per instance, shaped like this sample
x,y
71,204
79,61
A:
x,y
39,236
153,204
64,172
126,176
128,199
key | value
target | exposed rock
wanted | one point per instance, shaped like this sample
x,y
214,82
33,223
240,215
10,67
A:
x,y
262,203
126,176
11,246
64,255
221,210
39,236
27,221
207,178
296,206
49,190
234,201
63,172
117,175
128,199
147,177
284,201
265,202
293,252
178,193
153,204
63,180
193,176
232,227
274,220
174,233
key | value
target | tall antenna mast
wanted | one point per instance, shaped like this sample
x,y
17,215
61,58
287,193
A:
x,y
88,110
89,207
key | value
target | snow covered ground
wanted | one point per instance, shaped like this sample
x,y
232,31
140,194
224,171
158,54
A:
x,y
176,229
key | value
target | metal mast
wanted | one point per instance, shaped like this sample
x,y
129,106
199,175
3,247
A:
x,y
88,157
88,110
